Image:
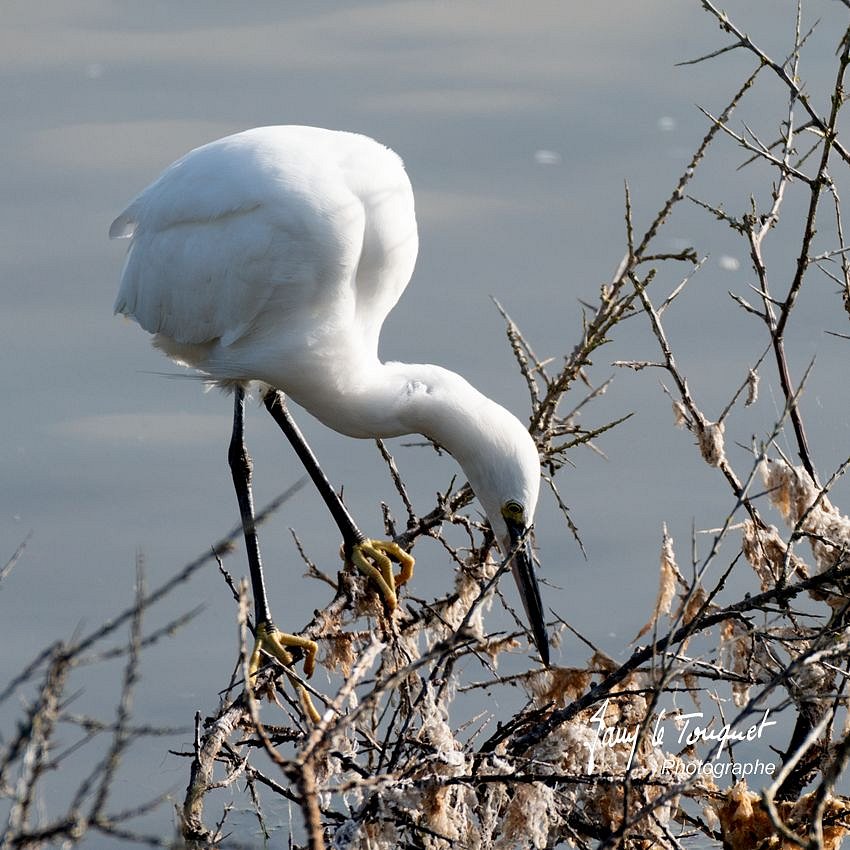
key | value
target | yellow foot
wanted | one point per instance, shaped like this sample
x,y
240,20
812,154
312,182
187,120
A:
x,y
374,558
273,642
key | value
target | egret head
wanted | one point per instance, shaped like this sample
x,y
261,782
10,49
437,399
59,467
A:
x,y
504,471
505,474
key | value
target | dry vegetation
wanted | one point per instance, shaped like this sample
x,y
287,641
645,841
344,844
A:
x,y
391,764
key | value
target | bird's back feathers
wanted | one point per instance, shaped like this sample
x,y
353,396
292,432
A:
x,y
287,231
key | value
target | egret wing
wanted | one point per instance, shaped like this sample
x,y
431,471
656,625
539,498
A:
x,y
291,230
228,238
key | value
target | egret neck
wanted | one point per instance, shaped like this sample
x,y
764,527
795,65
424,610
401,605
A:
x,y
374,399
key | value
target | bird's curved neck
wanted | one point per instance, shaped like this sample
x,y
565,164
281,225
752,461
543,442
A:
x,y
368,398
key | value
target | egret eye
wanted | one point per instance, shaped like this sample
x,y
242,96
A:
x,y
513,509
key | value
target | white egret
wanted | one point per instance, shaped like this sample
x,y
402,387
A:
x,y
274,255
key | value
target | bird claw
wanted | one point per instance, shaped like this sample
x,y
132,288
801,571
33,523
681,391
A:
x,y
374,558
271,641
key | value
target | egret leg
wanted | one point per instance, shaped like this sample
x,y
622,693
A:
x,y
268,638
373,558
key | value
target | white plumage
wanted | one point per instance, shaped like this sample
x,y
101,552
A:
x,y
275,255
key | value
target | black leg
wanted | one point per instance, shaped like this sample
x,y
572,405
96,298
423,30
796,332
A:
x,y
240,468
269,640
373,558
351,534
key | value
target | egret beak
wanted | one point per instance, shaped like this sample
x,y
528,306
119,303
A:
x,y
522,567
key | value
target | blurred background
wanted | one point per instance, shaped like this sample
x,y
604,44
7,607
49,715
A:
x,y
518,125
